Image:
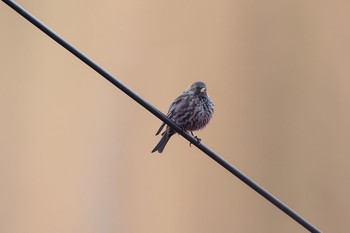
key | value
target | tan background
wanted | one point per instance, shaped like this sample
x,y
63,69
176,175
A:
x,y
75,151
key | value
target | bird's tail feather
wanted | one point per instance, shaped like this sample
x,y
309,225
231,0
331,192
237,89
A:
x,y
160,129
162,143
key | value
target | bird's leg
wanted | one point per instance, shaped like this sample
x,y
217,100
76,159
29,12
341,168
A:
x,y
183,129
198,139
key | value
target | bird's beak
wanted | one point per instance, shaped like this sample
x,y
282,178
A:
x,y
203,90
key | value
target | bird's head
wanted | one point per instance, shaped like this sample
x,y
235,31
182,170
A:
x,y
198,88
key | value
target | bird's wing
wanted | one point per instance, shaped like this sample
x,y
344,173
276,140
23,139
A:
x,y
175,106
179,103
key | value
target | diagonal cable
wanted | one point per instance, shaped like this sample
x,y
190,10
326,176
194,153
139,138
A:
x,y
251,183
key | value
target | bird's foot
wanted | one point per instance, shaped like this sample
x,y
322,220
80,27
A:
x,y
198,139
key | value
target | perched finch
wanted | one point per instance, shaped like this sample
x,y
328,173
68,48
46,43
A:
x,y
191,111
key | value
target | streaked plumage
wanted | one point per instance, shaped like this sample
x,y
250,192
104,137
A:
x,y
192,110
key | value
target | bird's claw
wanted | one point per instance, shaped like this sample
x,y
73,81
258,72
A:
x,y
197,138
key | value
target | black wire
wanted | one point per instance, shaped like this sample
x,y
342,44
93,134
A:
x,y
279,204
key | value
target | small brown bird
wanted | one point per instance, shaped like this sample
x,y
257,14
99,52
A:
x,y
192,110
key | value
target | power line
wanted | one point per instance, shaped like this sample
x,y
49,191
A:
x,y
279,204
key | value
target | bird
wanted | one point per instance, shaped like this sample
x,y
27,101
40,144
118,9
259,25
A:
x,y
192,110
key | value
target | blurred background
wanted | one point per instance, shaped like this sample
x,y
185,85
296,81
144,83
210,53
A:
x,y
75,150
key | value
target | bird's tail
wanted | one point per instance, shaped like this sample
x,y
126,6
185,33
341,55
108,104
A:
x,y
163,141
